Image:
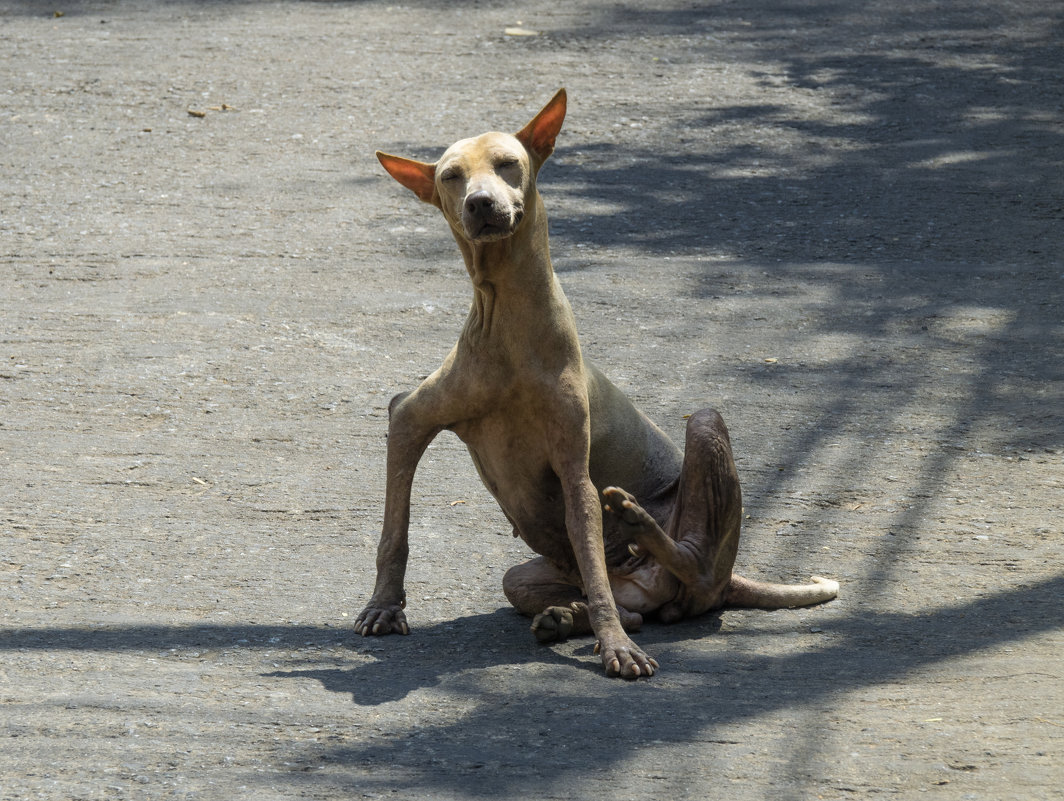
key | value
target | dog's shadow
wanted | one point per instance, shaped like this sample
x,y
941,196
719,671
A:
x,y
399,665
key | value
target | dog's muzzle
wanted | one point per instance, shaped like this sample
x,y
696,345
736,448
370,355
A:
x,y
485,219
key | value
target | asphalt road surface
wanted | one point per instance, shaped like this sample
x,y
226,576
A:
x,y
842,225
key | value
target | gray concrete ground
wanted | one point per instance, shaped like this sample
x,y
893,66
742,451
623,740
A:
x,y
840,224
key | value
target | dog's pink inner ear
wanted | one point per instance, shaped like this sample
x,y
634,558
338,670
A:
x,y
417,176
539,135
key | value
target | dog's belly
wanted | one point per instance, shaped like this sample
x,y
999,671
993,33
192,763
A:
x,y
530,495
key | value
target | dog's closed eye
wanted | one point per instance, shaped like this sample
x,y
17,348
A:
x,y
451,175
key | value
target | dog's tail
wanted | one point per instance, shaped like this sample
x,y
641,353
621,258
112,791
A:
x,y
761,595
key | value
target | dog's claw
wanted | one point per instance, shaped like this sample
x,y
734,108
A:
x,y
629,662
377,621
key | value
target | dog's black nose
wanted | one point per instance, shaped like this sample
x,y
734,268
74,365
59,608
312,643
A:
x,y
479,204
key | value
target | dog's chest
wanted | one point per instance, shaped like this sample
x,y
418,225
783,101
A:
x,y
514,464
510,457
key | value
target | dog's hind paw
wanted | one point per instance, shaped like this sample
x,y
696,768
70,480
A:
x,y
634,521
553,623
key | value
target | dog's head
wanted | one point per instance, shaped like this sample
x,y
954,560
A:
x,y
482,185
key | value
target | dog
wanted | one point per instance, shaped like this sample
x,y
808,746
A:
x,y
552,438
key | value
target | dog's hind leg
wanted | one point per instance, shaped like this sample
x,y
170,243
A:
x,y
554,600
701,537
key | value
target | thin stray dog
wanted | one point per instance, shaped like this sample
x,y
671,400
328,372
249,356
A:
x,y
548,433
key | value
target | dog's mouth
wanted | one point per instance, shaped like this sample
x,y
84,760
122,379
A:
x,y
491,228
490,232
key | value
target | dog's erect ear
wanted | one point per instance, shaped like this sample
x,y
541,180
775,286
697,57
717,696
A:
x,y
417,176
539,135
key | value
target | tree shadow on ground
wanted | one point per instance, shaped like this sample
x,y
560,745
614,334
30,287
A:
x,y
903,166
476,756
914,131
730,688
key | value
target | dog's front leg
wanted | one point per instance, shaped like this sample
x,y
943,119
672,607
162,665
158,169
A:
x,y
408,436
583,518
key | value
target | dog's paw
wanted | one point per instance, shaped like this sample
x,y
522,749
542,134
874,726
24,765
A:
x,y
622,657
553,623
634,519
378,620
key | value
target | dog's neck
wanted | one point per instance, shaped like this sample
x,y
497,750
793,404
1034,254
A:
x,y
514,274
